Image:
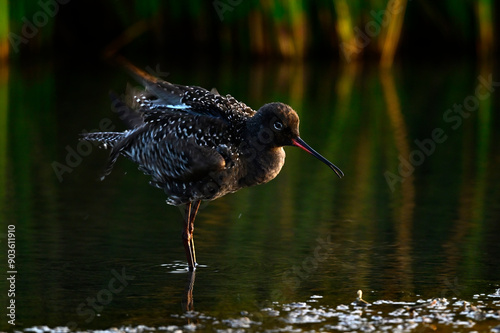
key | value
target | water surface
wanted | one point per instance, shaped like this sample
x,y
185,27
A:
x,y
414,220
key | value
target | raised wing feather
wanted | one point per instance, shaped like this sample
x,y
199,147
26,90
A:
x,y
163,95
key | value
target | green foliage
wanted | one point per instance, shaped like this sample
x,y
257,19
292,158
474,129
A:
x,y
277,28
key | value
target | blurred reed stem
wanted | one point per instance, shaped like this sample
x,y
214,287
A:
x,y
290,29
4,30
396,9
484,12
4,131
345,32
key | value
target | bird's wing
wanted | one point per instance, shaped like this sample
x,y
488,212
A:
x,y
163,154
163,95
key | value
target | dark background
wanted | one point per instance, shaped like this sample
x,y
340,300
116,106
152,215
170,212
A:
x,y
431,235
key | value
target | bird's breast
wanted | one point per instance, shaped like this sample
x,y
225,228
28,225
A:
x,y
263,167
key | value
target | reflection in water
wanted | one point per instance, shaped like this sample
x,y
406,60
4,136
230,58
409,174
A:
x,y
404,197
470,225
434,235
188,291
4,131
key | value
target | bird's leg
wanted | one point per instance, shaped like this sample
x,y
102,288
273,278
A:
x,y
187,232
194,210
186,238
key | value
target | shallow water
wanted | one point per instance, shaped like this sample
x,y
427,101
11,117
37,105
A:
x,y
412,222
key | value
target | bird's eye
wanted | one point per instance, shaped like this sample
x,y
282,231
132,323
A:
x,y
278,125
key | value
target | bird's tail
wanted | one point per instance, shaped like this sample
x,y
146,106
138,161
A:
x,y
111,140
108,139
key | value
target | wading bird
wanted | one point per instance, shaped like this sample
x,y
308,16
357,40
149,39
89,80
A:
x,y
199,145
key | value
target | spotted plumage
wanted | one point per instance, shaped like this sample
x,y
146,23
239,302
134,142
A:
x,y
196,144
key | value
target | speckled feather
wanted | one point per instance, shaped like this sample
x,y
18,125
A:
x,y
197,144
161,96
179,154
191,145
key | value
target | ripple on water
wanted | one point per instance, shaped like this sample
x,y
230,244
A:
x,y
482,314
178,266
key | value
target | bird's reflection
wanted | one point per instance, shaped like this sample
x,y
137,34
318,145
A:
x,y
188,304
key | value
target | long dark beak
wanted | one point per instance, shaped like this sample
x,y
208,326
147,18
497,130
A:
x,y
298,142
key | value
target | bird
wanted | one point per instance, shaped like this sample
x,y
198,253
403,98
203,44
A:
x,y
198,145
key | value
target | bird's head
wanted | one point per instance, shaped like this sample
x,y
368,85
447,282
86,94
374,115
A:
x,y
277,125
